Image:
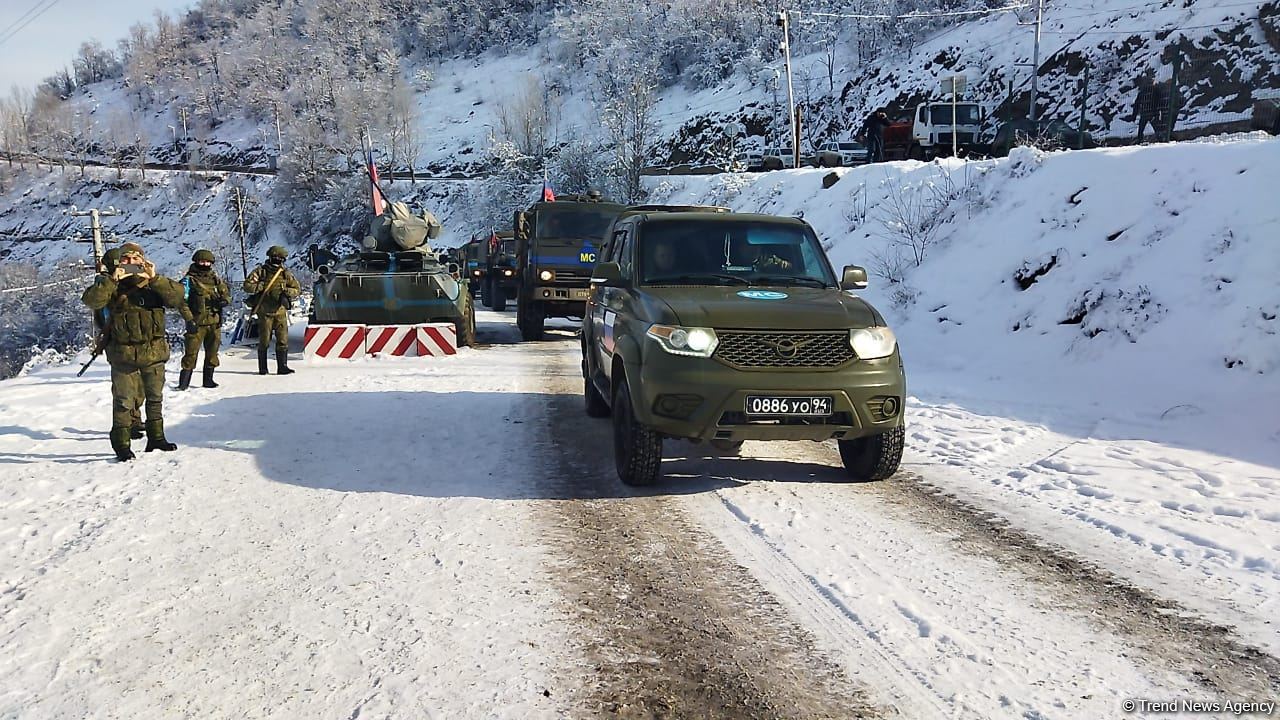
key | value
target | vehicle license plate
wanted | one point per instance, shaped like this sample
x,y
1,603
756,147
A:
x,y
813,406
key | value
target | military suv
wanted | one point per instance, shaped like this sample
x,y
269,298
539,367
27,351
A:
x,y
723,327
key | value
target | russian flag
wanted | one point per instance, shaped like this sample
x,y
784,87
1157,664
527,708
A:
x,y
373,182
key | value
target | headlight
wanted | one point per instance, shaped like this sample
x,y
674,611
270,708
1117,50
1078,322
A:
x,y
696,342
546,276
872,343
507,273
476,273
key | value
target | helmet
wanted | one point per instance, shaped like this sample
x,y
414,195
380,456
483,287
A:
x,y
277,253
202,255
111,258
131,247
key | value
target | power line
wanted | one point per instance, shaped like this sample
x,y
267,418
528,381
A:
x,y
23,16
1149,30
1113,11
916,16
10,34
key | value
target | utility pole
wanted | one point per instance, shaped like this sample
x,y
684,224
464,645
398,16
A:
x,y
1035,60
1084,103
244,261
784,23
95,226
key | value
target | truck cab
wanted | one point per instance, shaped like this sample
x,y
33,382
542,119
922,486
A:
x,y
557,243
932,125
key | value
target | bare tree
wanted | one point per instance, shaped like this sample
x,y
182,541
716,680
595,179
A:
x,y
531,118
912,217
627,114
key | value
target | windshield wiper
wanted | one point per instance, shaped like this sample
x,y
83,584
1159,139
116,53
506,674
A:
x,y
695,277
791,279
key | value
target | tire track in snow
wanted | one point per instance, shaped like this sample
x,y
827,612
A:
x,y
670,626
1170,634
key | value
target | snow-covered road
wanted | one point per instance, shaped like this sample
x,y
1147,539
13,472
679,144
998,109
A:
x,y
394,539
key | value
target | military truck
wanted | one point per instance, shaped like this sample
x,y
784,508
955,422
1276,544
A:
x,y
501,279
557,242
471,257
721,327
395,279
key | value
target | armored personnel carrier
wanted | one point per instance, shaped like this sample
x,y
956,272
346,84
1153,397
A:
x,y
395,279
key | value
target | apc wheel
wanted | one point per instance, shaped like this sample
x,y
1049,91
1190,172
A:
x,y
487,294
499,301
637,450
874,457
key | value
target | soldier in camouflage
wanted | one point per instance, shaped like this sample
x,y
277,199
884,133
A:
x,y
207,295
275,289
134,297
111,258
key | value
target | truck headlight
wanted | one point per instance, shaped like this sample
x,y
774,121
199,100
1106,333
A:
x,y
872,343
546,276
507,273
695,342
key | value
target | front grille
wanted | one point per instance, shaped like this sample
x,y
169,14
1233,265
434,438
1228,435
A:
x,y
768,350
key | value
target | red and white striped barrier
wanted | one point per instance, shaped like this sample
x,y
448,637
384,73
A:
x,y
438,339
333,341
397,340
349,342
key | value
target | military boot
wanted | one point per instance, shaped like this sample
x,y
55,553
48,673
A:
x,y
208,378
136,431
262,361
155,437
120,444
282,363
184,379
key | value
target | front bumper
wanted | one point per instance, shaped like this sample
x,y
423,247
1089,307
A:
x,y
703,399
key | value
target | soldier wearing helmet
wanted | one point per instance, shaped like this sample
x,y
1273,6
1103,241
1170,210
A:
x,y
207,294
272,289
132,297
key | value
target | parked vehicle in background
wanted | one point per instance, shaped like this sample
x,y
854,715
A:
x,y
777,158
1044,134
751,160
926,132
1266,116
841,154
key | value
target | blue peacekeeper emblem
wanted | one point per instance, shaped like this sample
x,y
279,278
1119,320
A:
x,y
762,295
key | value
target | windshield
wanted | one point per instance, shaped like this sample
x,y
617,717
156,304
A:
x,y
578,223
745,252
965,114
852,146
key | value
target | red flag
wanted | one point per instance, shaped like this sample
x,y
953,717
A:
x,y
547,195
493,243
373,184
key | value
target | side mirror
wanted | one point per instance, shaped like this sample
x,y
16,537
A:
x,y
855,278
608,274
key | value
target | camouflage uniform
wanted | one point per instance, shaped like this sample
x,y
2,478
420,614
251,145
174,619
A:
x,y
207,295
136,346
112,258
274,299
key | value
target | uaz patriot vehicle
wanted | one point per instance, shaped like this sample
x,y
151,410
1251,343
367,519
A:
x,y
724,327
557,243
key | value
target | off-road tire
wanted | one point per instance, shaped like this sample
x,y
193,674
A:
x,y
486,293
874,457
637,450
499,301
529,322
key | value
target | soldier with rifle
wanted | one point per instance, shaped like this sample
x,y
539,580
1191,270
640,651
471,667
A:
x,y
100,321
207,294
135,297
272,290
